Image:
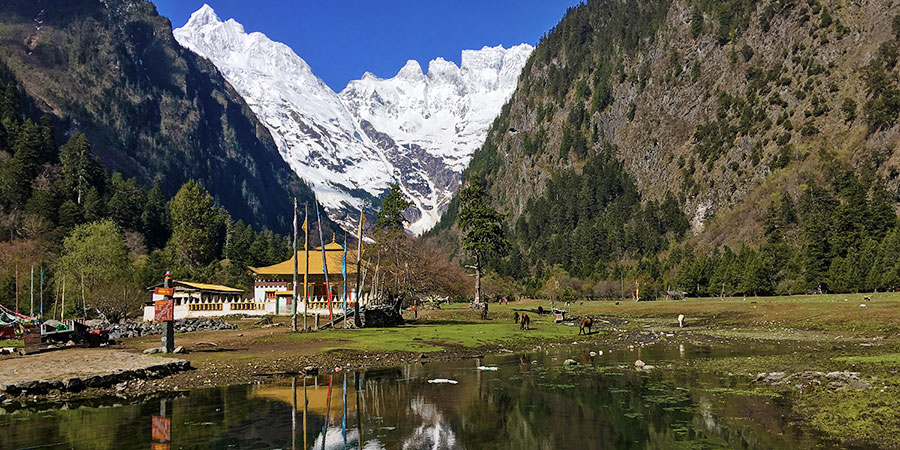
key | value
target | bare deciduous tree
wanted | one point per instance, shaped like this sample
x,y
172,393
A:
x,y
115,301
415,267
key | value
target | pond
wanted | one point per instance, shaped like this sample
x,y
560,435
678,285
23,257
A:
x,y
511,401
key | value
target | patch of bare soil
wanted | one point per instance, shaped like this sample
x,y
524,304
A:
x,y
75,362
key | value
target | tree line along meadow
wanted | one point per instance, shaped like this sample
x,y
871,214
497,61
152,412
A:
x,y
838,234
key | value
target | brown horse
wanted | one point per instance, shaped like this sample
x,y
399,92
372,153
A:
x,y
524,322
516,316
586,323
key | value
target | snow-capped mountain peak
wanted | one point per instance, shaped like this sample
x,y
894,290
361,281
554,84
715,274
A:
x,y
417,129
203,16
411,71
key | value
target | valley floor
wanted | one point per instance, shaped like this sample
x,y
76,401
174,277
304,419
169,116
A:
x,y
810,336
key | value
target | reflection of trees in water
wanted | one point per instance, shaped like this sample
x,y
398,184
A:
x,y
520,407
584,409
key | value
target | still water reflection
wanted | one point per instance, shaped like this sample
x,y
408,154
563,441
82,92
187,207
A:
x,y
529,402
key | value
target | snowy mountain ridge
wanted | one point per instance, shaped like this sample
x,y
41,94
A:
x,y
415,129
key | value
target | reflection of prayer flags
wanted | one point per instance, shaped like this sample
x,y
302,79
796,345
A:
x,y
161,428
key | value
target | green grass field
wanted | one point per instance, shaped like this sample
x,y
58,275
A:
x,y
453,327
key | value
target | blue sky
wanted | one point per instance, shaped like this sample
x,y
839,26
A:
x,y
343,39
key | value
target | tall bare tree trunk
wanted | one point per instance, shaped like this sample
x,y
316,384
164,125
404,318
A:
x,y
477,279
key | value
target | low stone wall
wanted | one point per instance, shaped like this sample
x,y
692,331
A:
x,y
77,384
137,329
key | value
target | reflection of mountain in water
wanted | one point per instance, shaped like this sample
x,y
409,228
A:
x,y
434,433
336,439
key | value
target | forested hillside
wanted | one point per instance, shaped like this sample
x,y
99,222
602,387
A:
x,y
150,109
711,146
64,214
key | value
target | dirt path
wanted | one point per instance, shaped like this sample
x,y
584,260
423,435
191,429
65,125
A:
x,y
76,362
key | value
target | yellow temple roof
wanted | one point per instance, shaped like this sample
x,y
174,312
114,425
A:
x,y
202,287
334,254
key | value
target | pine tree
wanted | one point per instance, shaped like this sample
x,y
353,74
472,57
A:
x,y
196,224
816,207
881,215
390,216
48,149
94,209
237,245
80,171
10,103
127,199
482,228
70,215
25,163
155,222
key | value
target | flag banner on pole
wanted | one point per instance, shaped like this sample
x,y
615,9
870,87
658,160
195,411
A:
x,y
344,274
324,261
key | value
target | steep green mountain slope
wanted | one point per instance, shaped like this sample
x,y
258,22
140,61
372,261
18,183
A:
x,y
150,109
644,126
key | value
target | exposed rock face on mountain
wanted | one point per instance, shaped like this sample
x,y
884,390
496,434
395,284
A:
x,y
719,103
151,109
415,129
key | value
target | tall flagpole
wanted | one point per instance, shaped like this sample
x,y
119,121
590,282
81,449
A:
x,y
294,300
42,293
31,309
344,276
324,265
305,266
362,219
17,288
62,311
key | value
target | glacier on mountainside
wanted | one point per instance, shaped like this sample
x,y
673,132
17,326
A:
x,y
417,129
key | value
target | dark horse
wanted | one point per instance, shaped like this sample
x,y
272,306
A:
x,y
585,323
524,322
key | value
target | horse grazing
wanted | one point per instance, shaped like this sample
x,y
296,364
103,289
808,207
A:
x,y
516,316
587,322
524,322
